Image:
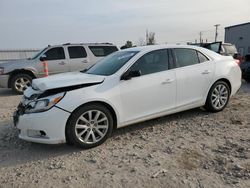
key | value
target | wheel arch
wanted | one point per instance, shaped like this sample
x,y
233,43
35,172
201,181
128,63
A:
x,y
108,106
224,80
20,71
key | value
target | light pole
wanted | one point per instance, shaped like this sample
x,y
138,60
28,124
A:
x,y
216,31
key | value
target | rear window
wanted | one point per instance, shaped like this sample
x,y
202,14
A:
x,y
202,58
77,52
101,51
230,49
185,57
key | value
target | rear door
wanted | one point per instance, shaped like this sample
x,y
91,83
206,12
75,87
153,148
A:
x,y
194,76
57,62
78,58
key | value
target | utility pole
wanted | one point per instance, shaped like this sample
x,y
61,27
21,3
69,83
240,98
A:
x,y
147,36
216,31
200,37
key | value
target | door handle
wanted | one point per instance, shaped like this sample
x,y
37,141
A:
x,y
62,63
84,61
167,81
206,72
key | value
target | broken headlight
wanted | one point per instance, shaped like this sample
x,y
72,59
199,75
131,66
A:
x,y
44,104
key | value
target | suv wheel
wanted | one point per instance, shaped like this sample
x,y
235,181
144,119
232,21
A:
x,y
218,97
89,126
20,82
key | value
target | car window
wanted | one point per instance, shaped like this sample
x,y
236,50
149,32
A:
x,y
152,62
101,51
202,58
216,47
55,53
185,57
230,49
77,52
112,63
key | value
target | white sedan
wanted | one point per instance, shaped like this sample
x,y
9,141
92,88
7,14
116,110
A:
x,y
126,87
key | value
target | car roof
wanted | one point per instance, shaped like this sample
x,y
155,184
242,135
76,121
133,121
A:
x,y
156,47
82,44
149,48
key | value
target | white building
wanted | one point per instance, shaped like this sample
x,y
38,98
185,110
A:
x,y
17,54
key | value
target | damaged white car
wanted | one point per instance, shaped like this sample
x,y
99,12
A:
x,y
126,87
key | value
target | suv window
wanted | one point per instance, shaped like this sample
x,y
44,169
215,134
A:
x,y
152,62
55,53
112,63
77,52
185,57
101,51
202,58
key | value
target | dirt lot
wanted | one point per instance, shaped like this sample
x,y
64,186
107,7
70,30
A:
x,y
189,149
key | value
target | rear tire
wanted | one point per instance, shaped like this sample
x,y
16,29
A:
x,y
218,97
20,82
89,126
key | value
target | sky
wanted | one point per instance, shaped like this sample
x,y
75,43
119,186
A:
x,y
37,23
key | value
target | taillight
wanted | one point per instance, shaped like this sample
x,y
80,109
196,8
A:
x,y
237,61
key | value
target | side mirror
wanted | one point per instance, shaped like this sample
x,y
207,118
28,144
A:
x,y
43,58
130,74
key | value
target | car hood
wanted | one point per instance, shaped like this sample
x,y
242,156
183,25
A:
x,y
15,64
65,80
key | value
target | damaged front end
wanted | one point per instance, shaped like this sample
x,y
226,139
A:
x,y
36,101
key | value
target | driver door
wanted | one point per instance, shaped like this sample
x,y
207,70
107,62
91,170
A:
x,y
57,63
151,93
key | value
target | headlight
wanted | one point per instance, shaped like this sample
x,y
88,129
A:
x,y
44,104
1,70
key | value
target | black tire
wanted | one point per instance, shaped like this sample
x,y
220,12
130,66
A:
x,y
247,80
209,103
71,135
17,77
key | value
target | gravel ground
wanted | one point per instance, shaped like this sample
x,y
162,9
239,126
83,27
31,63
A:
x,y
188,149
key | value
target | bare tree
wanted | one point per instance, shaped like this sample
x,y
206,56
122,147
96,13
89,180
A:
x,y
128,44
151,38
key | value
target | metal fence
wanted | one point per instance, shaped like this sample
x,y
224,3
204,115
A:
x,y
6,55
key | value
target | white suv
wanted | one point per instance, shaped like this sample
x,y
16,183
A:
x,y
68,57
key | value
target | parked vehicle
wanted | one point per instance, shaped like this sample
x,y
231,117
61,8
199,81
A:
x,y
18,74
245,68
126,87
226,49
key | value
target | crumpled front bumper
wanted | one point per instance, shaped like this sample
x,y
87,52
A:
x,y
44,127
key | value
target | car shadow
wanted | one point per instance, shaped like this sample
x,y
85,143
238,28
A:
x,y
161,121
6,92
14,151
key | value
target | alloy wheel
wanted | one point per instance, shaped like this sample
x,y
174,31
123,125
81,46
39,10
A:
x,y
219,96
22,83
91,126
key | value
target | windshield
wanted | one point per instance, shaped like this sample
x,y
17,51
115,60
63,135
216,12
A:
x,y
38,54
112,63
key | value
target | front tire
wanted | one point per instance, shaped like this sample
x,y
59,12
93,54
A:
x,y
20,82
89,126
218,97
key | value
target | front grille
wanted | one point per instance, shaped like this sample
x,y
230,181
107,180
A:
x,y
20,109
